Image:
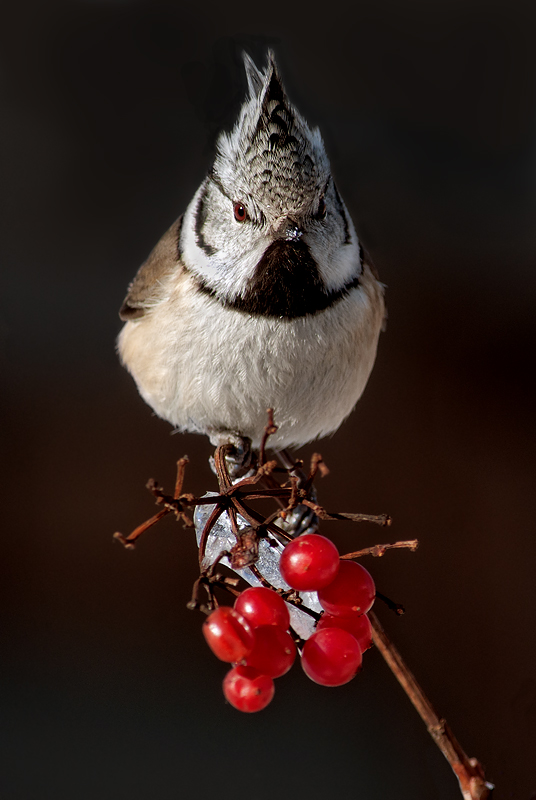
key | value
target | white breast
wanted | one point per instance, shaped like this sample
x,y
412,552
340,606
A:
x,y
209,369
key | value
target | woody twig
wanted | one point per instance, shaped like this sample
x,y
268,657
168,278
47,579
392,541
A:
x,y
469,771
239,500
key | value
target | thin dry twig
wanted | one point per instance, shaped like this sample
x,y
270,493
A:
x,y
318,465
321,513
398,608
128,541
379,549
269,429
208,580
469,771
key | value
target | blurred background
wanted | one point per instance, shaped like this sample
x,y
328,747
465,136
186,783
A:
x,y
108,115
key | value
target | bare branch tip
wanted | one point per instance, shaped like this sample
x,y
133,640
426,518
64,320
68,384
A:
x,y
318,463
120,538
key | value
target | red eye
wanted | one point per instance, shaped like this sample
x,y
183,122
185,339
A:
x,y
240,212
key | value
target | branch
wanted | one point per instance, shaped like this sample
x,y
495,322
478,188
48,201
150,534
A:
x,y
469,772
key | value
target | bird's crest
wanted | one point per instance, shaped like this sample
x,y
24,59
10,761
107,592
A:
x,y
271,155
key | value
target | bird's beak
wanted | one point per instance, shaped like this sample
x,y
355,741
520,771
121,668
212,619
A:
x,y
288,229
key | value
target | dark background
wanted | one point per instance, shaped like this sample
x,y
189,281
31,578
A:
x,y
108,111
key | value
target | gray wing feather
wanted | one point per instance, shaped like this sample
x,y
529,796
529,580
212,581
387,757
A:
x,y
145,288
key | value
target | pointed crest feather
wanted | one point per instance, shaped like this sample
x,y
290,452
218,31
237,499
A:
x,y
271,155
254,76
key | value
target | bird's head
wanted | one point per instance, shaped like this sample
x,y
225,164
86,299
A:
x,y
267,230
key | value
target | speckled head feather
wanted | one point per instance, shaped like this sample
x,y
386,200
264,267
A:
x,y
272,154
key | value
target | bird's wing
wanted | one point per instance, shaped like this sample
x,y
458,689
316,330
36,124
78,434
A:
x,y
368,262
144,290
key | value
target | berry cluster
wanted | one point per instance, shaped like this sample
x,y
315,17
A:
x,y
254,635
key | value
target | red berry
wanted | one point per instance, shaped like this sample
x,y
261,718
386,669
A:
x,y
228,634
331,657
274,651
351,591
247,689
261,606
356,624
309,562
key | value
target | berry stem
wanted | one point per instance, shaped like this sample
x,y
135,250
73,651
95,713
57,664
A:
x,y
469,772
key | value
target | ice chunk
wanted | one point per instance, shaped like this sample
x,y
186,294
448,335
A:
x,y
221,537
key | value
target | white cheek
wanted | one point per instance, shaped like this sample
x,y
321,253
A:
x,y
340,264
230,268
342,267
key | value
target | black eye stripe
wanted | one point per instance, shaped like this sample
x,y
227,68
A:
x,y
347,237
320,212
199,223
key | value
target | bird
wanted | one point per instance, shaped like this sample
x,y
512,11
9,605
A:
x,y
260,296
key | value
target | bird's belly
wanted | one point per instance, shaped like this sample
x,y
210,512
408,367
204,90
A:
x,y
209,369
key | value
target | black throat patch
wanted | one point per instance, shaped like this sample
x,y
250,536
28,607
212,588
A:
x,y
286,284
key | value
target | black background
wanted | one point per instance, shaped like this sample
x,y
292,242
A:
x,y
108,111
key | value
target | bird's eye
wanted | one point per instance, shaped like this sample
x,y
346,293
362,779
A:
x,y
321,210
240,213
